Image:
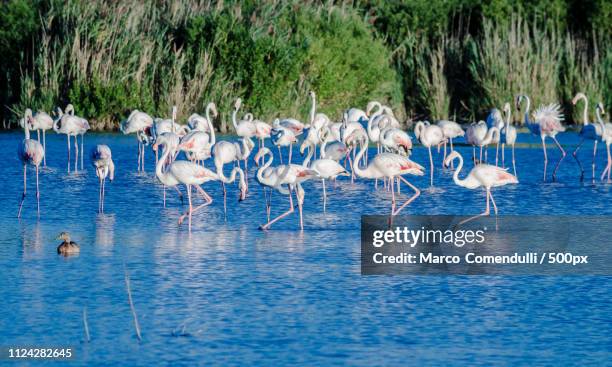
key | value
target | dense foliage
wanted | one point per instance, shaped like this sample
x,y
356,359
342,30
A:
x,y
426,58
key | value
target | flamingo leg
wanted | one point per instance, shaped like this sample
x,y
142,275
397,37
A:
x,y
24,191
143,157
575,155
431,165
513,161
451,149
45,148
483,214
189,211
417,192
609,166
290,151
503,153
224,200
37,194
324,195
179,193
76,153
82,139
593,164
267,202
103,193
444,154
560,160
497,154
480,159
68,140
545,156
300,200
392,197
138,155
164,196
399,190
267,225
99,195
280,154
492,201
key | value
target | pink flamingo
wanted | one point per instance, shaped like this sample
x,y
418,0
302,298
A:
x,y
225,152
40,121
429,135
244,128
482,175
191,174
30,152
451,130
389,166
201,123
546,123
71,125
102,160
606,137
589,131
291,175
140,123
325,169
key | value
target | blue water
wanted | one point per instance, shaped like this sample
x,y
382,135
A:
x,y
229,294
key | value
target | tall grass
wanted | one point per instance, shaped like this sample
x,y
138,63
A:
x,y
110,57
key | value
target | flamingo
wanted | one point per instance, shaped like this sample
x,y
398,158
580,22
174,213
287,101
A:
x,y
191,174
40,121
429,135
283,137
546,123
482,175
226,152
71,125
291,175
198,143
171,142
244,128
296,127
481,136
317,120
325,169
199,123
140,123
396,141
30,152
508,136
451,130
102,160
161,126
589,131
389,165
606,137
495,119
330,148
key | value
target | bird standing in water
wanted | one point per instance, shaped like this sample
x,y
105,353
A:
x,y
102,160
30,152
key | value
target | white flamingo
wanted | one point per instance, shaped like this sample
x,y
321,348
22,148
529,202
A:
x,y
30,152
482,175
198,143
546,123
291,175
480,136
140,123
244,128
102,160
191,174
325,169
41,121
295,126
589,131
225,152
508,137
606,137
429,135
283,137
71,125
197,122
389,166
451,130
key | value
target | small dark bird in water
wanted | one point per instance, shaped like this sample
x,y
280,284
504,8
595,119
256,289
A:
x,y
67,247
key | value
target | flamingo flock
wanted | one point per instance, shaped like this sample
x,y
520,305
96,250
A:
x,y
333,149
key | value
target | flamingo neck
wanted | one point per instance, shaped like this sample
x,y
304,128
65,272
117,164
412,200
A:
x,y
266,165
585,112
159,168
358,171
456,178
311,148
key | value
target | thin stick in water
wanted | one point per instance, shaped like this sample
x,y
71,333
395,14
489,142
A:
x,y
87,338
129,292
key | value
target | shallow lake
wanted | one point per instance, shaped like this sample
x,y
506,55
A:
x,y
230,294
